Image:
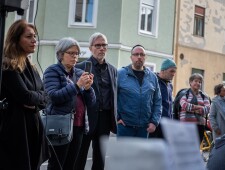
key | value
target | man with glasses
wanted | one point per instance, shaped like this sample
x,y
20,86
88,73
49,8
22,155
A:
x,y
139,98
101,117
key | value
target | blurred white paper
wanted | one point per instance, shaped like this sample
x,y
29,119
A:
x,y
137,154
184,144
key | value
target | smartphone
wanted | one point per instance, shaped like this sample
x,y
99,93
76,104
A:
x,y
88,66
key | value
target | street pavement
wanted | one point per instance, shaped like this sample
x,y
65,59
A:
x,y
88,163
89,158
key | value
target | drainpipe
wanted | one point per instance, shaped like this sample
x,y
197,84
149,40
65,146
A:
x,y
175,44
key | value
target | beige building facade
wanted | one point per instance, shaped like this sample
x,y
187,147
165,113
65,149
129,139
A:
x,y
200,42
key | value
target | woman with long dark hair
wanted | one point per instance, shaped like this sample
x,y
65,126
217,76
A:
x,y
22,141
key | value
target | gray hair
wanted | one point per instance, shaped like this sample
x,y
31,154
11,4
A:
x,y
196,76
63,45
95,36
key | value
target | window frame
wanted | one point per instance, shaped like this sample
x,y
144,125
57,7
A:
x,y
155,17
27,13
199,21
73,24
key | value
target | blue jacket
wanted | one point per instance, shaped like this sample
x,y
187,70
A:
x,y
138,105
216,159
167,100
62,91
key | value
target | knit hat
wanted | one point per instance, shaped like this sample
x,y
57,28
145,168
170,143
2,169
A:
x,y
168,63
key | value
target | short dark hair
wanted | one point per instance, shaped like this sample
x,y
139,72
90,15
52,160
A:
x,y
196,76
217,88
138,45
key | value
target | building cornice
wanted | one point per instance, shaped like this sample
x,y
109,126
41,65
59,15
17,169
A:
x,y
199,49
111,46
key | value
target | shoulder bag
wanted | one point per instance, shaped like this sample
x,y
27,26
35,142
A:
x,y
58,128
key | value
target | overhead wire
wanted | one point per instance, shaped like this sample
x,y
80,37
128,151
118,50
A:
x,y
38,39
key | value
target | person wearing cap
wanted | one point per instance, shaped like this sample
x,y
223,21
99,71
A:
x,y
165,76
139,102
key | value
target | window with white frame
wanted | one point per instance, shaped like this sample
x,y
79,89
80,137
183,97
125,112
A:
x,y
83,13
148,15
29,13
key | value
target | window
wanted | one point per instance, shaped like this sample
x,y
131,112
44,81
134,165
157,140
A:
x,y
223,78
199,21
195,70
83,13
148,17
29,14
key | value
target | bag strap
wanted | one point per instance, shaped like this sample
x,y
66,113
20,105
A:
x,y
194,100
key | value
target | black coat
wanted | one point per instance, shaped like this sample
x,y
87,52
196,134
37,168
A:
x,y
22,141
93,113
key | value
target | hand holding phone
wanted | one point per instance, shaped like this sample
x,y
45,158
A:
x,y
88,67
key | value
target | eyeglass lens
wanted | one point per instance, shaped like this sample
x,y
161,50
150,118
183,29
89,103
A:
x,y
100,45
72,54
138,54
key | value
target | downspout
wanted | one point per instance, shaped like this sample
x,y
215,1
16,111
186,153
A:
x,y
176,44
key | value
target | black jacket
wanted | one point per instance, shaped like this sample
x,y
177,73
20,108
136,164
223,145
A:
x,y
22,141
93,113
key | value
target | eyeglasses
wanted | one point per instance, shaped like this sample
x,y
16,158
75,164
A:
x,y
138,54
98,46
72,54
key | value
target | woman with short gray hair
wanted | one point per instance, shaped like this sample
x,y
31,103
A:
x,y
195,104
69,90
63,45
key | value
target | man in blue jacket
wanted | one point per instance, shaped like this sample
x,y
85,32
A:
x,y
139,102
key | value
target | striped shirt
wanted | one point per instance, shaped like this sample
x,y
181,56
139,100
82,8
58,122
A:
x,y
188,114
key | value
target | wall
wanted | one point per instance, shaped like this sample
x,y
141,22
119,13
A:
x,y
214,25
212,64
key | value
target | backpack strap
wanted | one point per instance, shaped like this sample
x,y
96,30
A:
x,y
187,92
204,95
176,104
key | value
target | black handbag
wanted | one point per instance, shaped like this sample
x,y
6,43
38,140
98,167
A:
x,y
58,128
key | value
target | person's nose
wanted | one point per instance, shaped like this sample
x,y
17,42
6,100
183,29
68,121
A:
x,y
34,40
